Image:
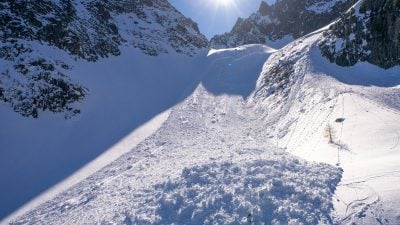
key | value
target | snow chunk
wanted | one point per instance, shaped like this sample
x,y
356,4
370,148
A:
x,y
259,191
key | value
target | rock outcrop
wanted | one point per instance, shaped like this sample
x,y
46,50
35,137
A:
x,y
369,31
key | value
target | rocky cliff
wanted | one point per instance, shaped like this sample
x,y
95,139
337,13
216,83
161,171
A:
x,y
38,38
369,31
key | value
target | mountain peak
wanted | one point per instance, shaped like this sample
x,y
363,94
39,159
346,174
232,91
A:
x,y
280,23
264,8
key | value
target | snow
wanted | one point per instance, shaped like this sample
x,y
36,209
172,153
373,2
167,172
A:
x,y
110,155
234,149
366,144
255,192
280,43
243,50
361,74
209,160
124,93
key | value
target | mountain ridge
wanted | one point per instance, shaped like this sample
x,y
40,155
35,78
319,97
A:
x,y
281,22
32,82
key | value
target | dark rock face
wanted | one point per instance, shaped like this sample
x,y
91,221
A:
x,y
293,18
368,32
32,81
45,88
90,29
59,25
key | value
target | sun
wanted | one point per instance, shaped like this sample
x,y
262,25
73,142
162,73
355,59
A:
x,y
223,2
221,9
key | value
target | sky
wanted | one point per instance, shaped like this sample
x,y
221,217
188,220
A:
x,y
216,16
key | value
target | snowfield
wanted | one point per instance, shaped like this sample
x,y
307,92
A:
x,y
249,146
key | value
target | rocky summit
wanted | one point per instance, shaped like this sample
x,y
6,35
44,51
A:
x,y
282,22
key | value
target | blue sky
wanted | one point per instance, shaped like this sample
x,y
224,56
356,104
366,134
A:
x,y
215,16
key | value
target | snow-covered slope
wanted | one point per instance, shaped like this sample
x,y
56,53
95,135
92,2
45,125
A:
x,y
302,96
210,162
125,92
280,23
39,39
78,76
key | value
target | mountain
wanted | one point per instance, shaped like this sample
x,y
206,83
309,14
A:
x,y
35,76
107,66
281,22
244,135
369,32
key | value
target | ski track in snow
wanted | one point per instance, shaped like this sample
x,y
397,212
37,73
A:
x,y
365,200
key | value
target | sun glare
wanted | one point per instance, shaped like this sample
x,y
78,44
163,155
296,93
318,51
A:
x,y
223,2
221,9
